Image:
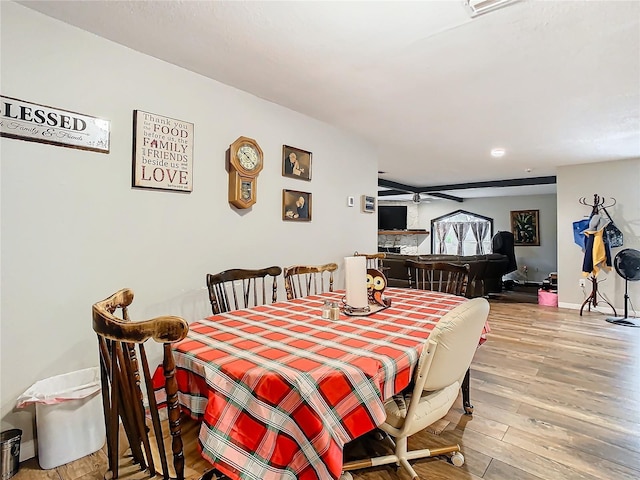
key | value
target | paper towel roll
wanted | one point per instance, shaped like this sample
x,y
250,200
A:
x,y
356,281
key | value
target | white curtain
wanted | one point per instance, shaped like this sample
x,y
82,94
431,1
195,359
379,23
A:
x,y
460,229
479,230
442,228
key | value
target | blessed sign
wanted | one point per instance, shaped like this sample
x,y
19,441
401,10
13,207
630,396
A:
x,y
39,123
162,152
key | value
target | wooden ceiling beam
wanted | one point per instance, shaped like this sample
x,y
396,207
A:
x,y
446,197
513,182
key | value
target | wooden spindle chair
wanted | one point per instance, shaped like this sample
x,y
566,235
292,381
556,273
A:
x,y
302,281
438,276
242,288
125,374
374,260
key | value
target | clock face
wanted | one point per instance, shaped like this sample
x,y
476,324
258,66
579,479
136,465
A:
x,y
248,157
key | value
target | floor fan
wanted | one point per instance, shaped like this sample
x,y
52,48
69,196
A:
x,y
627,264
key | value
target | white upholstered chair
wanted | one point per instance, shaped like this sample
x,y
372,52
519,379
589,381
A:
x,y
444,360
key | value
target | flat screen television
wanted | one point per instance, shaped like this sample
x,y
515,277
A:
x,y
392,217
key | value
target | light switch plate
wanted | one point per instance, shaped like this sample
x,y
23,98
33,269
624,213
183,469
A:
x,y
351,201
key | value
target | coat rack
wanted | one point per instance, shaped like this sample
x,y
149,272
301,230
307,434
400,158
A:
x,y
598,203
592,299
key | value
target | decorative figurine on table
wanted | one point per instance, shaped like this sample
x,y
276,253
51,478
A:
x,y
376,283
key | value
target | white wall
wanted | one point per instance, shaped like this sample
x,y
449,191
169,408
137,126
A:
x,y
620,180
540,261
74,231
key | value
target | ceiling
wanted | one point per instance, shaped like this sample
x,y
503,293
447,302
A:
x,y
434,90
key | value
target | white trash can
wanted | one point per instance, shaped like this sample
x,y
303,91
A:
x,y
69,416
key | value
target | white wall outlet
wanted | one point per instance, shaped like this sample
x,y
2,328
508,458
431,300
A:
x,y
582,282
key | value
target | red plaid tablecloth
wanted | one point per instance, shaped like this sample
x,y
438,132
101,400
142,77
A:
x,y
280,390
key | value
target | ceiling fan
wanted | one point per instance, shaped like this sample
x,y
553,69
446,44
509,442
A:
x,y
417,195
627,264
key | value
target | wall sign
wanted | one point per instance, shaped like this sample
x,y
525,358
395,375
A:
x,y
162,152
38,123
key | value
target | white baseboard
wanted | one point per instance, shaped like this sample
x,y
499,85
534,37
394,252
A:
x,y
601,308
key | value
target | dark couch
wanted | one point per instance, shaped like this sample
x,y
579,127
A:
x,y
485,271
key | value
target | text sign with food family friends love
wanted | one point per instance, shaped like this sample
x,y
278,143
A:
x,y
162,152
39,123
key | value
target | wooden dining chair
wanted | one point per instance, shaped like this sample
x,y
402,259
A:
x,y
242,288
374,260
445,357
302,281
438,276
149,443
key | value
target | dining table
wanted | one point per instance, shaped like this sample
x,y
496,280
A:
x,y
280,390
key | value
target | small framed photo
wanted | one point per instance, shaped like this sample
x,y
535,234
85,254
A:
x,y
296,163
368,203
296,206
525,228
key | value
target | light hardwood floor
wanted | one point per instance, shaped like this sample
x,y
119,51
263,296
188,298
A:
x,y
556,396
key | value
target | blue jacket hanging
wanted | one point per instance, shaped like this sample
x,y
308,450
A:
x,y
578,232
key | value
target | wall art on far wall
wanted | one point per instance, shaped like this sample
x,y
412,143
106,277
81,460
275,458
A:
x,y
39,123
162,152
525,227
296,206
296,163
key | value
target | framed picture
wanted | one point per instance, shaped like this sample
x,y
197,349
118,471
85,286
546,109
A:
x,y
525,227
162,152
296,206
368,204
296,163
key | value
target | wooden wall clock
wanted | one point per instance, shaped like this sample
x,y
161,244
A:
x,y
245,163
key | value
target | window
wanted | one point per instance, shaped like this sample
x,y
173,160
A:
x,y
461,233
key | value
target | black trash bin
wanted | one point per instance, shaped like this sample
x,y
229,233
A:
x,y
10,443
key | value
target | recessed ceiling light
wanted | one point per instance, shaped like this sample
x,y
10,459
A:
x,y
498,152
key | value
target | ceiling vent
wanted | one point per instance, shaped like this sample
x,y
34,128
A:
x,y
480,7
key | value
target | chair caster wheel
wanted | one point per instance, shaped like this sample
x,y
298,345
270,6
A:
x,y
468,409
346,476
457,459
